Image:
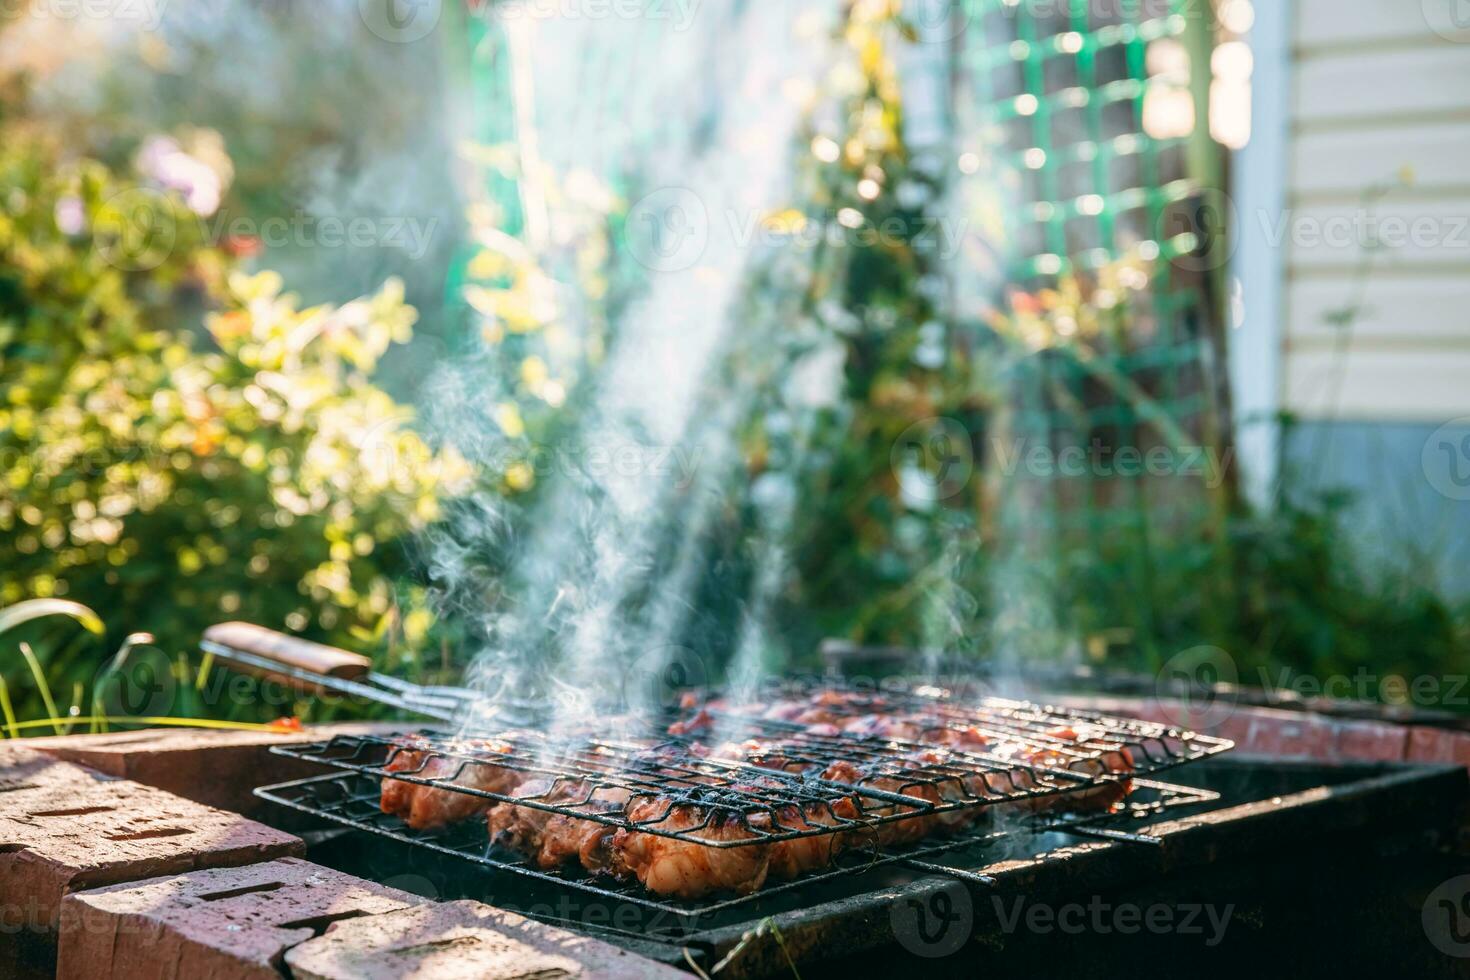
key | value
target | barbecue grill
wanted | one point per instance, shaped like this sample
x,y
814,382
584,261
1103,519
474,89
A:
x,y
1313,857
772,799
1264,834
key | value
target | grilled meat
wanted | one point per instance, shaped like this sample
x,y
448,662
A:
x,y
683,868
428,807
553,839
941,757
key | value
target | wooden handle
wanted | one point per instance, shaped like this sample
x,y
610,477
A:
x,y
290,651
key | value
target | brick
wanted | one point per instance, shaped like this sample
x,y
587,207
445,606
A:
x,y
25,774
1282,734
455,940
222,923
217,768
64,829
1438,745
1371,741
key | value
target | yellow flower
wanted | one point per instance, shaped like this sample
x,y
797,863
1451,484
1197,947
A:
x,y
785,222
534,373
520,477
508,417
488,264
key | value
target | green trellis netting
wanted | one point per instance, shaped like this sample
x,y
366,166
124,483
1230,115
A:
x,y
1080,132
1083,127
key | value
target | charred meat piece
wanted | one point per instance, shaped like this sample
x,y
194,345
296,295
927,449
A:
x,y
429,807
684,868
553,839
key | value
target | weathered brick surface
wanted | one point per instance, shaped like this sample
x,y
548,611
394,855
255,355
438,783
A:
x,y
64,828
461,941
1287,734
1371,741
223,923
216,768
1438,745
1303,734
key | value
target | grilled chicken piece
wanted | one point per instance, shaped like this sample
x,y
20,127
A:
x,y
1082,748
919,754
803,855
684,868
428,807
553,839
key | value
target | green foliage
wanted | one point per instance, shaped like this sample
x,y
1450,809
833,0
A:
x,y
184,443
173,479
858,363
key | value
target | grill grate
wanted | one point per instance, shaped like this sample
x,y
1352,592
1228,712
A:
x,y
351,799
775,778
827,763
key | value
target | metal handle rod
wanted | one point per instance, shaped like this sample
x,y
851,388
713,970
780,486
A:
x,y
430,707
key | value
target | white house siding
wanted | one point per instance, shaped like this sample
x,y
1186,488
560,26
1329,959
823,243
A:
x,y
1379,98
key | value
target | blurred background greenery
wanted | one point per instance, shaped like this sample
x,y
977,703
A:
x,y
202,424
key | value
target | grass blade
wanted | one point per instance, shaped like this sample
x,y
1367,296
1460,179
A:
x,y
118,662
42,686
9,711
24,612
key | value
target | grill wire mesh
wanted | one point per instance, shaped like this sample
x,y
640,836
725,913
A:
x,y
351,799
782,788
906,755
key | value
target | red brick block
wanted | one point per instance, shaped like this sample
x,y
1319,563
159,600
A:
x,y
223,923
64,829
24,773
1438,745
1371,741
462,940
1287,734
216,768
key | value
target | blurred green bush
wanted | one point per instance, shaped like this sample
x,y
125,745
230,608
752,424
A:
x,y
171,479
